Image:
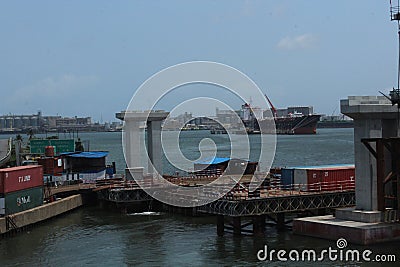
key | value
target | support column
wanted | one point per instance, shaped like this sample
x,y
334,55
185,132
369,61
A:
x,y
220,225
280,221
366,182
132,143
259,225
237,225
380,170
154,147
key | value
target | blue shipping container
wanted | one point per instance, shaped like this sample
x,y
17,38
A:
x,y
287,178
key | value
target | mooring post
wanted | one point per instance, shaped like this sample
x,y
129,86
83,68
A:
x,y
220,225
280,221
237,225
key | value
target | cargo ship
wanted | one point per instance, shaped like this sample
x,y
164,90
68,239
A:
x,y
292,120
297,124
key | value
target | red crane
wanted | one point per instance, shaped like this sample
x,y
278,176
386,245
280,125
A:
x,y
272,106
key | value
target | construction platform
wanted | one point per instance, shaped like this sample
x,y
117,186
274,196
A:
x,y
362,233
233,207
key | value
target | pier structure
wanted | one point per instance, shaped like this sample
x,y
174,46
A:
x,y
375,218
134,120
232,214
239,209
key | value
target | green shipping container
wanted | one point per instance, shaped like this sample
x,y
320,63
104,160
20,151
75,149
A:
x,y
23,200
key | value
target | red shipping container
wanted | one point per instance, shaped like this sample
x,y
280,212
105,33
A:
x,y
331,179
20,178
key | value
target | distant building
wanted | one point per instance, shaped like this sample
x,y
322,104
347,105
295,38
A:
x,y
74,121
230,117
13,121
184,118
39,123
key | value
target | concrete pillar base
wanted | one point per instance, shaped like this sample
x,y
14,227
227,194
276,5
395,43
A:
x,y
362,233
351,214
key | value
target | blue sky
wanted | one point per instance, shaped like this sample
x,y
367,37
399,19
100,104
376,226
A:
x,y
86,58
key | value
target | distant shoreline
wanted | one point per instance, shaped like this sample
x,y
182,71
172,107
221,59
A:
x,y
57,132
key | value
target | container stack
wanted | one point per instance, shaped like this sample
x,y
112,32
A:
x,y
21,188
319,178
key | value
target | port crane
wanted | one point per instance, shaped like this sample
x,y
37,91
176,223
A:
x,y
272,106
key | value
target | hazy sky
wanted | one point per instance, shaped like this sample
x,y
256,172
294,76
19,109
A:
x,y
86,58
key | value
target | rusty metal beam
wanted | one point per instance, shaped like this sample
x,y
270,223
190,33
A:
x,y
388,177
367,144
393,146
380,172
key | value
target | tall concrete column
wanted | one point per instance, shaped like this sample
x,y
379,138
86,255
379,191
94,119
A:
x,y
133,146
366,186
133,149
374,117
154,147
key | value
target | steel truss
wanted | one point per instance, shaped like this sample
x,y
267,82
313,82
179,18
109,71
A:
x,y
270,205
124,195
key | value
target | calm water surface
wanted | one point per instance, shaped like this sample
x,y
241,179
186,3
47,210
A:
x,y
92,236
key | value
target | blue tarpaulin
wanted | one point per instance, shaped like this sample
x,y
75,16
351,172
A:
x,y
209,161
92,155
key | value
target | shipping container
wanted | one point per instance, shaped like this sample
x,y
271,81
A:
x,y
23,200
333,178
287,178
19,178
301,181
323,178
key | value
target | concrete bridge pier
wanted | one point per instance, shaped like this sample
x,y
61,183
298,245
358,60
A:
x,y
374,119
134,125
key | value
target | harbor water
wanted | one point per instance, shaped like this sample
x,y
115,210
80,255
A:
x,y
92,236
